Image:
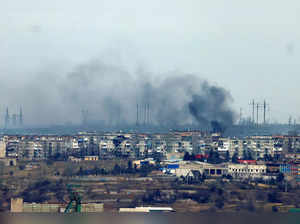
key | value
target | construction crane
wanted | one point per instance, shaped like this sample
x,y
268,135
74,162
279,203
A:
x,y
75,200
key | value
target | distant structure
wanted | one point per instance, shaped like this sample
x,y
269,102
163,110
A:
x,y
143,114
252,104
13,121
258,108
7,119
148,115
84,116
241,116
137,115
265,110
257,113
290,121
21,117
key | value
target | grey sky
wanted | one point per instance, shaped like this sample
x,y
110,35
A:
x,y
249,47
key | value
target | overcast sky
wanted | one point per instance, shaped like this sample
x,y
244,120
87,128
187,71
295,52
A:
x,y
252,48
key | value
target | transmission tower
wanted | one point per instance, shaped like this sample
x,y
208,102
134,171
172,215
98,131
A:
x,y
7,118
252,104
21,117
137,114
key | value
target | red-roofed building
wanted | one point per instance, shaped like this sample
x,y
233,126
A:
x,y
200,156
243,161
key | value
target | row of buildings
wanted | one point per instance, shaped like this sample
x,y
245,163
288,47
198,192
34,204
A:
x,y
242,170
171,146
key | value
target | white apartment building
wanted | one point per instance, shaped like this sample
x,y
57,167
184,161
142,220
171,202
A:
x,y
245,171
224,145
106,145
2,149
186,145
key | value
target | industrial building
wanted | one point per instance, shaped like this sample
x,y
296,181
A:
x,y
18,206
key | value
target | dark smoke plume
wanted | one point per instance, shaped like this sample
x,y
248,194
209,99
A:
x,y
110,95
211,107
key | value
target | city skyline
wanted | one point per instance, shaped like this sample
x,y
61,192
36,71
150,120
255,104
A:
x,y
123,107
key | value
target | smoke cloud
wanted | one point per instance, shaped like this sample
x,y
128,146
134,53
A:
x,y
211,107
109,95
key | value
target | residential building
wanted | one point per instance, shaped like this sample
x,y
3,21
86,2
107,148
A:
x,y
2,149
245,171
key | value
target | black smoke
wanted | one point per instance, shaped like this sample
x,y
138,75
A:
x,y
217,127
212,108
110,94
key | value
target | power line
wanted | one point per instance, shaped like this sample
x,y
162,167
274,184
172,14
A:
x,y
258,108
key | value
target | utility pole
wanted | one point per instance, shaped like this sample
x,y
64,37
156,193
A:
x,y
252,104
7,118
137,114
257,112
21,117
149,114
265,108
145,114
290,121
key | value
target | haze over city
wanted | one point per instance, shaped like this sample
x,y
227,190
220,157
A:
x,y
249,48
117,108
